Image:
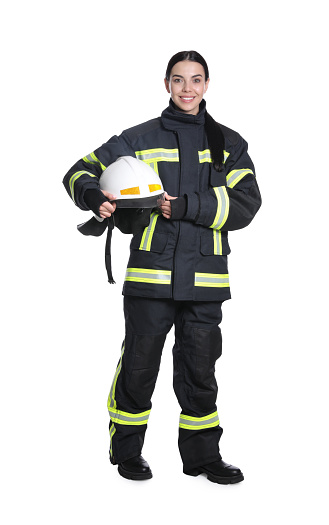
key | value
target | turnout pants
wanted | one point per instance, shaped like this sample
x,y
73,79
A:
x,y
198,344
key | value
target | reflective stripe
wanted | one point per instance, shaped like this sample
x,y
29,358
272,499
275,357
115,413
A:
x,y
148,233
111,402
118,416
223,204
158,155
212,280
205,156
74,177
154,187
144,275
235,176
112,432
92,159
88,158
198,423
131,191
226,154
218,242
125,418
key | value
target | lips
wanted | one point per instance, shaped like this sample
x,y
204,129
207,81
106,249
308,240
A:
x,y
187,99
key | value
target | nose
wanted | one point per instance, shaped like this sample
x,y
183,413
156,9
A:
x,y
187,87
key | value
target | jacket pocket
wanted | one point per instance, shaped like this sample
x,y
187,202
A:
x,y
217,178
214,242
157,243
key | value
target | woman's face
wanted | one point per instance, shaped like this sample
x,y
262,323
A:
x,y
187,85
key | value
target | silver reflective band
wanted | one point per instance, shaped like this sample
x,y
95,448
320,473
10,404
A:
x,y
124,418
220,280
235,176
223,205
218,242
92,159
111,402
148,233
205,156
145,275
197,423
74,177
112,432
88,158
158,154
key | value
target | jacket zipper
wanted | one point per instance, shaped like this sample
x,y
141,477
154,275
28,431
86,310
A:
x,y
178,234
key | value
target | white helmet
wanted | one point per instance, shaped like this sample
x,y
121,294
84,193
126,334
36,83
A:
x,y
135,183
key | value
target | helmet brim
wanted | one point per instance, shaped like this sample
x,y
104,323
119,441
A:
x,y
144,202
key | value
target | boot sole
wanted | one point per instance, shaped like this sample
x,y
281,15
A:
x,y
136,476
215,479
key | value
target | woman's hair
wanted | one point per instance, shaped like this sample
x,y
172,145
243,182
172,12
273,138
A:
x,y
193,56
214,133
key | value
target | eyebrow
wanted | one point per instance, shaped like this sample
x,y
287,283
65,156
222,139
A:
x,y
181,76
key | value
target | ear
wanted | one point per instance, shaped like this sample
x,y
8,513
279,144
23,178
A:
x,y
167,85
206,85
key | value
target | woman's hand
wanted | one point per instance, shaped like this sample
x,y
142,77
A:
x,y
107,208
166,206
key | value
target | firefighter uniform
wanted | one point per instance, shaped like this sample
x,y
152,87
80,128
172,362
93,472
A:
x,y
177,274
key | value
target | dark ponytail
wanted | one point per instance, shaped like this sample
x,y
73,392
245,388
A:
x,y
215,141
214,133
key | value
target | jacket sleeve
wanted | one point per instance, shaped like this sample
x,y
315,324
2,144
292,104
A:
x,y
84,174
231,206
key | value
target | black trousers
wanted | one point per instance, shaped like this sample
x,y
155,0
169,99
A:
x,y
198,344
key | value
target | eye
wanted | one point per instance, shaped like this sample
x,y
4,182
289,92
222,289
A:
x,y
176,80
197,80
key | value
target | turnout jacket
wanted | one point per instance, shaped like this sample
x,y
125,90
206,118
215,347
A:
x,y
181,259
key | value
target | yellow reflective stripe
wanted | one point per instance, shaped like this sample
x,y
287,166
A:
x,y
154,187
75,177
89,159
145,275
119,416
223,205
235,176
212,280
148,233
111,402
158,155
226,154
217,242
198,423
126,418
112,432
131,191
92,159
205,156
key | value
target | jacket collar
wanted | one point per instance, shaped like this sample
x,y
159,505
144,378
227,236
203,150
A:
x,y
174,119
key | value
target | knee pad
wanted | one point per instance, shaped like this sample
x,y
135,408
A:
x,y
145,363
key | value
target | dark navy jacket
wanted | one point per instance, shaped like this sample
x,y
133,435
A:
x,y
181,259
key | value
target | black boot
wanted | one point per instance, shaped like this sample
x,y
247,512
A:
x,y
135,468
218,472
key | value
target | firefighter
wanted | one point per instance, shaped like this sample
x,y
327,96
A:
x,y
177,271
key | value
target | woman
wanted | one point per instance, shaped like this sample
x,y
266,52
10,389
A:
x,y
180,277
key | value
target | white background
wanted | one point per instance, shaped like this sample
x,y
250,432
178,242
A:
x,y
75,73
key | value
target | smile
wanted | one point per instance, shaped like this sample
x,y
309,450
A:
x,y
187,99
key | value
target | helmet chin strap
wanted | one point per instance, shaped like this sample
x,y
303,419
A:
x,y
96,227
108,265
